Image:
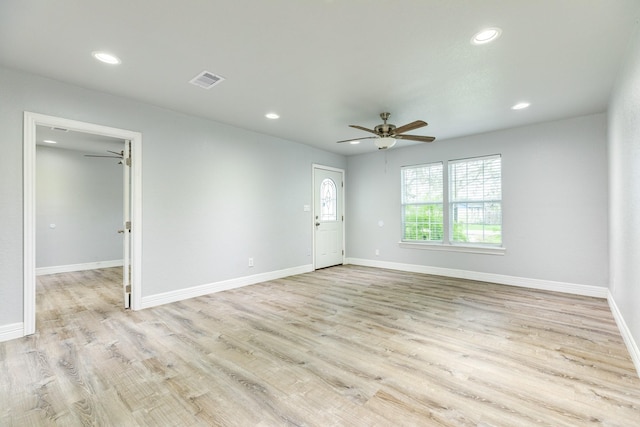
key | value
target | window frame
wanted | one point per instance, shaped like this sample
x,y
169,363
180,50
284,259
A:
x,y
447,243
474,200
440,202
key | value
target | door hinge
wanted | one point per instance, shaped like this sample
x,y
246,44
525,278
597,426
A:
x,y
127,225
127,161
343,252
342,218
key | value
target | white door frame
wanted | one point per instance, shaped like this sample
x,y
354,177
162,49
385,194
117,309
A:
x,y
315,166
126,219
31,120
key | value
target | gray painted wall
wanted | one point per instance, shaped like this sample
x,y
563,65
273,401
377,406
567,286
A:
x,y
82,197
212,195
555,199
624,167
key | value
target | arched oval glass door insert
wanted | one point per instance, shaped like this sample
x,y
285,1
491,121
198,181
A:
x,y
328,200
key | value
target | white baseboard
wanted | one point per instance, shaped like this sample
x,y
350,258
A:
x,y
196,291
625,332
546,285
11,331
41,271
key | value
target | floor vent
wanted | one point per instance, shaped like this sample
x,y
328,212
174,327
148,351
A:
x,y
206,80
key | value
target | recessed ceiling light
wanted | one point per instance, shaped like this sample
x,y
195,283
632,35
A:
x,y
486,36
357,141
520,106
49,141
272,116
105,57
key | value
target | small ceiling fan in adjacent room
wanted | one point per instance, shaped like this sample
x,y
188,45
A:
x,y
113,155
387,134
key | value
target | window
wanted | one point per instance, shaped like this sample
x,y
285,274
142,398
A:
x,y
422,203
328,200
475,200
470,212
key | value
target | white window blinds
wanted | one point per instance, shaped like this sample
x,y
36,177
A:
x,y
475,200
422,202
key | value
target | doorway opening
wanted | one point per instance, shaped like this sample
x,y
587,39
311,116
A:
x,y
129,153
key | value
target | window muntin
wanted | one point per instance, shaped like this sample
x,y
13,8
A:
x,y
423,203
328,200
475,200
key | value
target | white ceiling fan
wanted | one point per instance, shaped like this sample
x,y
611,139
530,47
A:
x,y
388,134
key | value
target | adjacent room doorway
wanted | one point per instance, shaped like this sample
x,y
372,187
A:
x,y
328,216
132,208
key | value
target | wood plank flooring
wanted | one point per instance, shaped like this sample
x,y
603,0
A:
x,y
344,346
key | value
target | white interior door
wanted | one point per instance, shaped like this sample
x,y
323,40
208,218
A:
x,y
328,188
126,230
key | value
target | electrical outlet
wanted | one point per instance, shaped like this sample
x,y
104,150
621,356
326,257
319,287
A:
x,y
250,262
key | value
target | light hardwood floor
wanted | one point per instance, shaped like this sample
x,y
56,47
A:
x,y
344,346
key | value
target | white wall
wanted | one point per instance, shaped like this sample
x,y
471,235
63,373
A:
x,y
554,202
212,195
624,167
82,197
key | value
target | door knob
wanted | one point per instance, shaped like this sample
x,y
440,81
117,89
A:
x,y
120,231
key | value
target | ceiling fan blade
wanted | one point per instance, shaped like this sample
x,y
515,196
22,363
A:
x,y
416,138
110,157
357,139
410,126
364,129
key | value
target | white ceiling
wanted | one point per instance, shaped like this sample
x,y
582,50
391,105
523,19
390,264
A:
x,y
325,64
77,141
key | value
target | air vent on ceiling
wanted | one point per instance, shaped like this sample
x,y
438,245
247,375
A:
x,y
206,80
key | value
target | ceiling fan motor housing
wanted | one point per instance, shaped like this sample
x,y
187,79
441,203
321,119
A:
x,y
385,130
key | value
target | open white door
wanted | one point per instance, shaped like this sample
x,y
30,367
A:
x,y
126,231
328,206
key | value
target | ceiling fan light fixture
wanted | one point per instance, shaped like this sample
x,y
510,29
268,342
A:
x,y
357,141
385,142
485,36
272,116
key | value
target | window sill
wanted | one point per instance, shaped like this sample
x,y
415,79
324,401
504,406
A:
x,y
488,250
